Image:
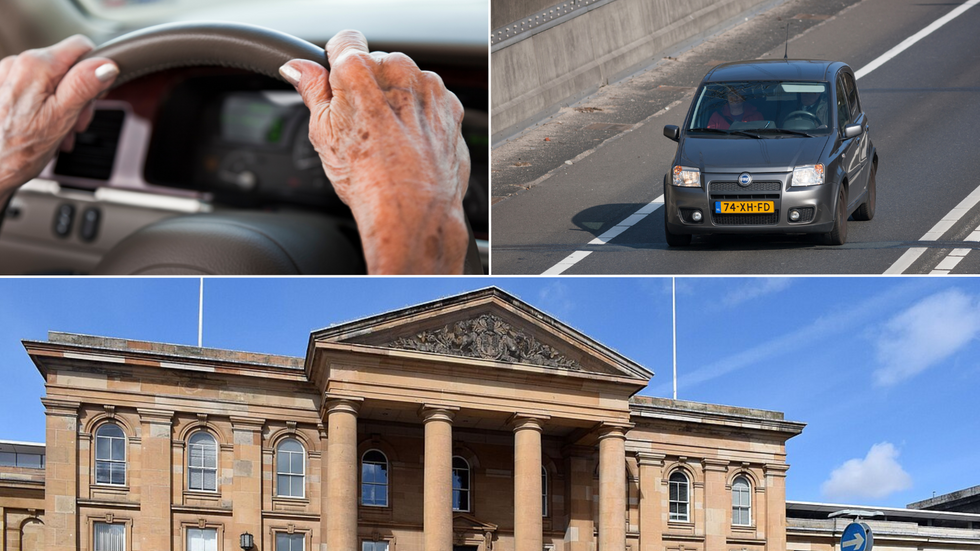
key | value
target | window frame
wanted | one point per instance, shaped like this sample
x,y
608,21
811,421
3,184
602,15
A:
x,y
95,545
217,535
544,491
374,544
748,494
386,484
202,468
277,534
302,476
111,461
676,517
469,485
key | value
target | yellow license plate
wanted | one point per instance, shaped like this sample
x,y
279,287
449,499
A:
x,y
744,207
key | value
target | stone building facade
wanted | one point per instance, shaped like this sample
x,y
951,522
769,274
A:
x,y
475,422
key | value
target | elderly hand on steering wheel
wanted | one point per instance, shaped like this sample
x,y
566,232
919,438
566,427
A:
x,y
44,96
389,138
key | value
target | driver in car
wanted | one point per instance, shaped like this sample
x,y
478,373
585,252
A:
x,y
736,110
812,103
388,136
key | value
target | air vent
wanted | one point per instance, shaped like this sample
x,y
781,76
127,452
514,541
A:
x,y
95,149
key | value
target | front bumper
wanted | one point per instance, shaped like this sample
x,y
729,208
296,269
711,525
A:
x,y
815,203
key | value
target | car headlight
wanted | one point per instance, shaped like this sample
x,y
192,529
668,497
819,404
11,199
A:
x,y
687,177
809,175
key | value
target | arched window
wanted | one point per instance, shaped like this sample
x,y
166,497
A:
x,y
741,502
110,455
290,469
544,492
461,484
374,479
679,496
202,462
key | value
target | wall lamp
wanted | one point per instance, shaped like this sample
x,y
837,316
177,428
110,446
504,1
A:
x,y
247,541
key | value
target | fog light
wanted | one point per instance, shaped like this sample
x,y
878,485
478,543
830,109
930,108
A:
x,y
696,216
794,215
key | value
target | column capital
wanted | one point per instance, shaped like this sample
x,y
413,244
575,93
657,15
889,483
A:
x,y
246,423
341,403
614,430
522,421
650,459
54,406
776,469
719,465
159,416
437,412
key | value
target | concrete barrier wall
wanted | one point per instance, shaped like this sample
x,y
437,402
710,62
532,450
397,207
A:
x,y
534,77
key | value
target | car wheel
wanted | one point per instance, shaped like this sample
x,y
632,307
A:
x,y
867,210
838,235
675,239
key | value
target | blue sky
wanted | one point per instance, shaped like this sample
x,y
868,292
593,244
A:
x,y
882,370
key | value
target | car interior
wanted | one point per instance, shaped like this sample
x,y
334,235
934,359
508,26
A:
x,y
206,169
783,108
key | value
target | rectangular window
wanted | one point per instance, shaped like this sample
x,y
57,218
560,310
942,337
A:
x,y
202,539
678,501
374,546
108,537
290,542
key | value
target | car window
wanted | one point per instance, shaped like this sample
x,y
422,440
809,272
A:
x,y
852,96
843,113
770,108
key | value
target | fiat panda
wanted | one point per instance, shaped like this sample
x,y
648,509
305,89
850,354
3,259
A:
x,y
774,146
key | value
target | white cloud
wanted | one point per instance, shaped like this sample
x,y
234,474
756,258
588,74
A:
x,y
925,334
556,299
754,288
876,476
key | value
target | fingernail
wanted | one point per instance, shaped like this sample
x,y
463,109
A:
x,y
106,72
291,75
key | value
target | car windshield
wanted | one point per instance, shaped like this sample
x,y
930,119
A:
x,y
753,109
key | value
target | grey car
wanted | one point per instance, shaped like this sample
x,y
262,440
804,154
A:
x,y
776,146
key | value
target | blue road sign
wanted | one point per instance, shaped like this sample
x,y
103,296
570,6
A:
x,y
856,537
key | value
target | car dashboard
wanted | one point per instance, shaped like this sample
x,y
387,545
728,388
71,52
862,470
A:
x,y
200,140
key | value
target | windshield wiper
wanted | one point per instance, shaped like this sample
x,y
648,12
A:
x,y
788,131
729,132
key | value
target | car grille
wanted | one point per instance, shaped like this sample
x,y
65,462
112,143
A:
x,y
754,187
745,219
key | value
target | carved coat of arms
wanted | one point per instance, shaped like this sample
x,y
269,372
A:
x,y
486,337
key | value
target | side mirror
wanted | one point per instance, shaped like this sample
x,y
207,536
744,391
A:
x,y
672,132
852,131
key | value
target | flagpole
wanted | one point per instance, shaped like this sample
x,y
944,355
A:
x,y
200,314
673,299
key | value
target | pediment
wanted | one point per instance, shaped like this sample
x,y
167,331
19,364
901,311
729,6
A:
x,y
488,324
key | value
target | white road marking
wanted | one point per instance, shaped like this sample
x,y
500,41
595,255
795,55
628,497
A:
x,y
905,44
937,231
608,235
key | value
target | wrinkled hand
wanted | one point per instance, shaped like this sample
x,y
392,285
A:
x,y
389,138
44,96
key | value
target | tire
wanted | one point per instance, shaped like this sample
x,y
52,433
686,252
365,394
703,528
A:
x,y
867,210
675,239
838,235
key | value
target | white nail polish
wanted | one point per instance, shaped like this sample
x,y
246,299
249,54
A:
x,y
106,72
290,74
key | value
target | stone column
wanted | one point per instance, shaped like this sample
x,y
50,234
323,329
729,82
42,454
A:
x,y
155,527
717,504
342,465
775,506
651,501
527,483
438,472
612,488
581,524
61,474
246,485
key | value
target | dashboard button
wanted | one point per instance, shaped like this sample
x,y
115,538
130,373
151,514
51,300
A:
x,y
90,224
63,218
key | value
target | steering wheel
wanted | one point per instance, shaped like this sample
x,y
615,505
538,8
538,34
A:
x,y
803,114
266,244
